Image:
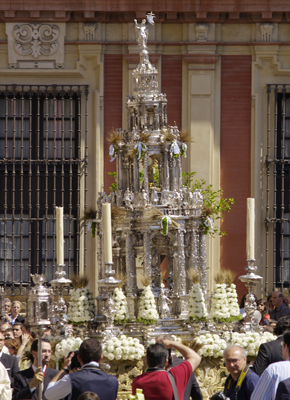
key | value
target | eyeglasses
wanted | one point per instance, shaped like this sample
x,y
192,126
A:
x,y
233,360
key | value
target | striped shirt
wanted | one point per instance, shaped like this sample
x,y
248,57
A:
x,y
267,385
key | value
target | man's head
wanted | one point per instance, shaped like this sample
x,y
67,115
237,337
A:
x,y
235,359
90,350
277,299
17,330
15,308
1,340
7,305
157,355
5,325
8,334
88,396
286,346
282,326
46,351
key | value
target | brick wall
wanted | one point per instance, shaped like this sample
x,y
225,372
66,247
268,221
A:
x,y
112,108
171,84
235,159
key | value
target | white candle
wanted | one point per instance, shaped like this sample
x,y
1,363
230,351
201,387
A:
x,y
59,236
251,229
107,231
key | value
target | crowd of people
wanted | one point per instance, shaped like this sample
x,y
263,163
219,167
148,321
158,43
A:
x,y
23,376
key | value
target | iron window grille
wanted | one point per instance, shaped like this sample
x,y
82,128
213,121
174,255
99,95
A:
x,y
43,159
278,185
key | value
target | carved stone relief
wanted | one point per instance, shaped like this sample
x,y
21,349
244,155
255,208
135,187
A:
x,y
35,45
266,32
201,32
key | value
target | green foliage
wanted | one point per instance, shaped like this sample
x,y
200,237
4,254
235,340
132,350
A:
x,y
214,204
196,319
93,228
141,177
230,319
146,321
156,176
113,187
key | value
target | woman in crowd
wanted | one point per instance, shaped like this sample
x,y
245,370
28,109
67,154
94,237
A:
x,y
263,308
15,310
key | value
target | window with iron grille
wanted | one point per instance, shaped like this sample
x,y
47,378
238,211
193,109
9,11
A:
x,y
278,184
41,166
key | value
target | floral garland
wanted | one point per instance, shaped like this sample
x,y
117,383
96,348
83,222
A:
x,y
196,304
251,341
81,306
123,348
220,308
121,306
67,345
147,313
232,298
214,346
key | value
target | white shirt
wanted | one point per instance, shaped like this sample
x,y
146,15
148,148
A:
x,y
267,384
5,390
63,387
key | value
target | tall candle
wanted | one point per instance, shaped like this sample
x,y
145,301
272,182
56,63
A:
x,y
107,231
59,236
251,228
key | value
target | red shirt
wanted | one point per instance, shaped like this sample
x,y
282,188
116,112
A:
x,y
156,385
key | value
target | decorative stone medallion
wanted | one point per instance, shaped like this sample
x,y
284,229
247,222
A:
x,y
35,45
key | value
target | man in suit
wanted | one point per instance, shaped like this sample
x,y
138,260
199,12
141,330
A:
x,y
26,382
283,391
9,362
271,352
192,389
88,378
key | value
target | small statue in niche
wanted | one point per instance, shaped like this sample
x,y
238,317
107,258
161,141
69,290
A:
x,y
154,196
145,198
164,301
128,199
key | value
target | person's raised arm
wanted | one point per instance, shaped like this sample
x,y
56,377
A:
x,y
189,355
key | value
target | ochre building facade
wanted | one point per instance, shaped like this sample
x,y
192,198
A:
x,y
225,69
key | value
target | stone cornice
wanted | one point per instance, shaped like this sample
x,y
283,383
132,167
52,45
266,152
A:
x,y
226,11
201,58
135,58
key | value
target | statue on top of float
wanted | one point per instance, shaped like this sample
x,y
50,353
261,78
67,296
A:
x,y
142,31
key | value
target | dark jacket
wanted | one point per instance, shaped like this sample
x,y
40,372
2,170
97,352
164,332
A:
x,y
94,380
192,389
11,365
268,353
283,390
279,312
19,318
22,380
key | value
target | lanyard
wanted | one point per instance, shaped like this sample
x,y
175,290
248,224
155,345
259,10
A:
x,y
239,383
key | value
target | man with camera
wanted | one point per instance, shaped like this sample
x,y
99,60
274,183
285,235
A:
x,y
241,381
156,382
192,389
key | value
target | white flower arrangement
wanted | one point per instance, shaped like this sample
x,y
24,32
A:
x,y
147,308
123,348
220,308
121,306
212,345
196,305
232,297
66,345
251,341
81,306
